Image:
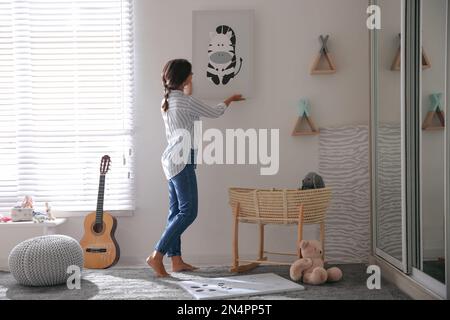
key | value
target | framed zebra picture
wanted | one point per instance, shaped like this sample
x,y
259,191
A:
x,y
222,53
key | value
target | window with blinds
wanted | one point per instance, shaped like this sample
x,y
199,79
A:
x,y
66,97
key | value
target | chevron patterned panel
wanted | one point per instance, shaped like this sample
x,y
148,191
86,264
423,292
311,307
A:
x,y
344,166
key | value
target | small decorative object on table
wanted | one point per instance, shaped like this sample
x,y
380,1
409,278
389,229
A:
x,y
21,214
48,210
24,212
27,202
40,217
4,219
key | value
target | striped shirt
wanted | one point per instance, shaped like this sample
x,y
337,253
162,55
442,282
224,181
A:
x,y
179,120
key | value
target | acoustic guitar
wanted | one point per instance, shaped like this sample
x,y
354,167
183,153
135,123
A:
x,y
99,245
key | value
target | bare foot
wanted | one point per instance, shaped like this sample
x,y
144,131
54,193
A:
x,y
191,266
183,267
156,263
179,265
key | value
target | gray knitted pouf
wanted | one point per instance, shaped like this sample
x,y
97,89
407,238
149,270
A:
x,y
43,261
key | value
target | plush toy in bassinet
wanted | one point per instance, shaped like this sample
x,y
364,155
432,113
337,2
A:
x,y
312,181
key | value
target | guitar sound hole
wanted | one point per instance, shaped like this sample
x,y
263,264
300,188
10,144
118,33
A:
x,y
98,228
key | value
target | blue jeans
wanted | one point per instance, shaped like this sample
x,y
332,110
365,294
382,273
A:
x,y
183,207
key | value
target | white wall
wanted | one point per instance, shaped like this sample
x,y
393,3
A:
x,y
286,42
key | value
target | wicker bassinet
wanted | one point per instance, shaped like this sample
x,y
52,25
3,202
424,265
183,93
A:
x,y
285,206
280,206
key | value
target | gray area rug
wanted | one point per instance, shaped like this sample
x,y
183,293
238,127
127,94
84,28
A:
x,y
140,283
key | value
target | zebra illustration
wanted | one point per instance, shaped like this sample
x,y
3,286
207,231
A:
x,y
222,56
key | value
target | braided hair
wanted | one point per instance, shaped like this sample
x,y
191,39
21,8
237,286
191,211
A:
x,y
174,74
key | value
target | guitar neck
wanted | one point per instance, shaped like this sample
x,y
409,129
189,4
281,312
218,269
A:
x,y
100,198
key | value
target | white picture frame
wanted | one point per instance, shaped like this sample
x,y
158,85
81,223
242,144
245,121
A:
x,y
222,53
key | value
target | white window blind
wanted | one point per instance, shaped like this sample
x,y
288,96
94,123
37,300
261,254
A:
x,y
66,96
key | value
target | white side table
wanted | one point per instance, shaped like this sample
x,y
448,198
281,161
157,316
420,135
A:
x,y
12,233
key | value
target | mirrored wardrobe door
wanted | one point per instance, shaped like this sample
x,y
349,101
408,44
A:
x,y
434,36
387,133
447,161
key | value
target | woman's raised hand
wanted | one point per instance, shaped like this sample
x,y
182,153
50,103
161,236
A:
x,y
234,98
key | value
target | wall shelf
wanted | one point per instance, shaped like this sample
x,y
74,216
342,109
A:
x,y
305,120
323,53
428,122
299,131
435,112
396,64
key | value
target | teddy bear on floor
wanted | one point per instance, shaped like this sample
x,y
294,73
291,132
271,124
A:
x,y
310,266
